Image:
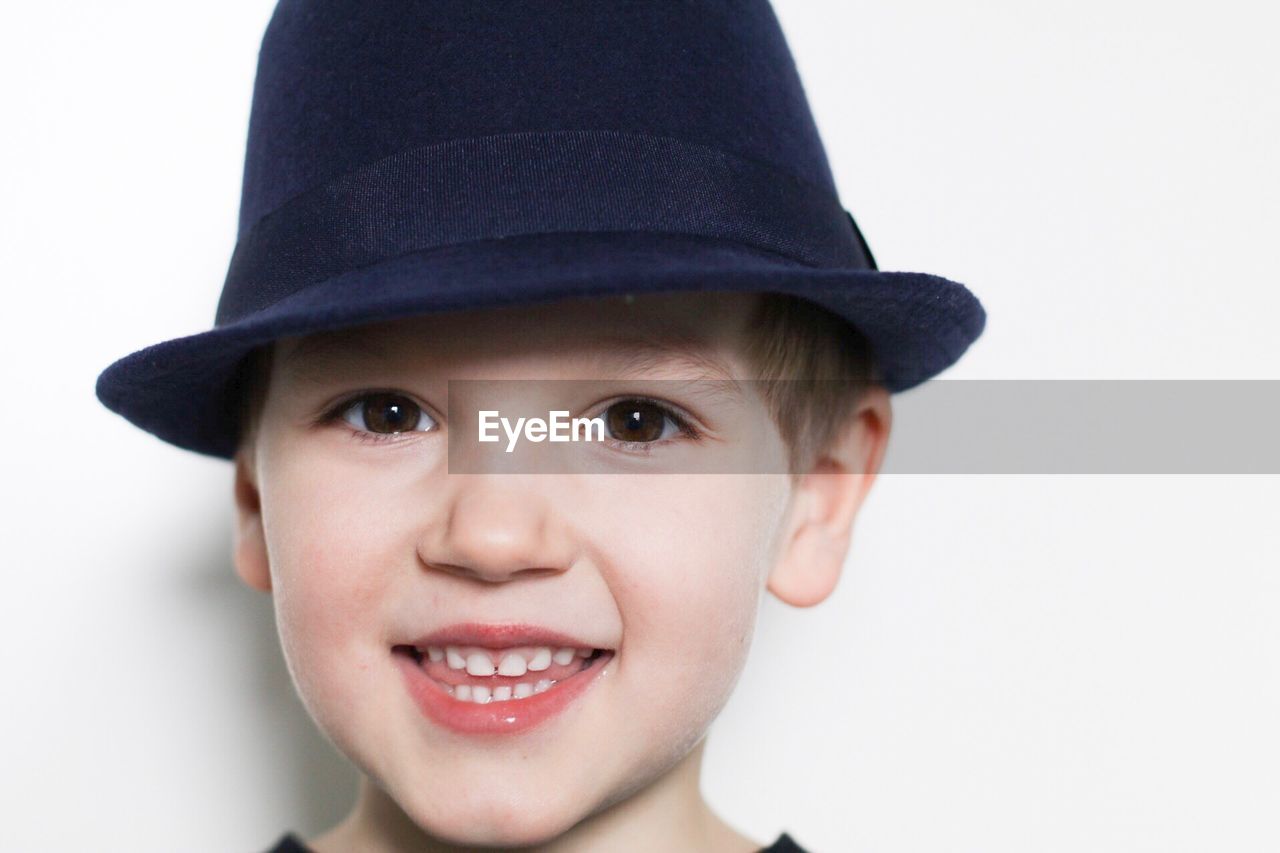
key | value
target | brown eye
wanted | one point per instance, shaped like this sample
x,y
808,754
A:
x,y
636,420
384,413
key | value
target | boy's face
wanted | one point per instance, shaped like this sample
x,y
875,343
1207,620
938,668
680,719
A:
x,y
371,547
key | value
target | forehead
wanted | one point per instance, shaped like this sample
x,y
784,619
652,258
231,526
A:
x,y
698,332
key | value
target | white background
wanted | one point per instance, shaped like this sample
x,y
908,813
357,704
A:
x,y
1010,664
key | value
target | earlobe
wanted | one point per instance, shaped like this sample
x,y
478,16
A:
x,y
250,550
826,501
809,566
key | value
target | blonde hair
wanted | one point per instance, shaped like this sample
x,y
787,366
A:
x,y
815,368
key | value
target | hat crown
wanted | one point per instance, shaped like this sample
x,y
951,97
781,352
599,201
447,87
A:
x,y
343,84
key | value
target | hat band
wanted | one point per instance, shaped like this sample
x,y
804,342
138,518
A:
x,y
533,183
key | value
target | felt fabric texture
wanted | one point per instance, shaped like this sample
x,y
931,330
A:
x,y
529,183
342,83
410,156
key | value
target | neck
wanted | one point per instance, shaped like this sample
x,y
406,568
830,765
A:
x,y
669,814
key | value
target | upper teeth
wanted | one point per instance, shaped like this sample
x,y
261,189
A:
x,y
515,662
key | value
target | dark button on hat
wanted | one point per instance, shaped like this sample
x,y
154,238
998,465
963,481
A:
x,y
410,156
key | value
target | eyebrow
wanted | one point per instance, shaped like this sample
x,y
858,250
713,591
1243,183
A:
x,y
622,356
310,359
632,354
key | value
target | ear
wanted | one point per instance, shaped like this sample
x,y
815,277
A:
x,y
825,502
250,551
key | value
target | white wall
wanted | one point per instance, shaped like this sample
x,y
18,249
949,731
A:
x,y
1010,664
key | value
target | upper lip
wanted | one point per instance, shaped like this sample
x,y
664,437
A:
x,y
500,635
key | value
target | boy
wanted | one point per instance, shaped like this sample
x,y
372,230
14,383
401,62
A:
x,y
440,197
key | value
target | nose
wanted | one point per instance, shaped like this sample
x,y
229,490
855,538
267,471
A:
x,y
498,528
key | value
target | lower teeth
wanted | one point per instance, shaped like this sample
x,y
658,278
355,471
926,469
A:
x,y
481,695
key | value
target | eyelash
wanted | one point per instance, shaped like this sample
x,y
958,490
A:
x,y
682,421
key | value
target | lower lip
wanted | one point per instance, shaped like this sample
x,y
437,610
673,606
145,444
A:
x,y
506,717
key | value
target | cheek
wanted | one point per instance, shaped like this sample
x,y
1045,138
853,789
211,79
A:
x,y
330,550
687,575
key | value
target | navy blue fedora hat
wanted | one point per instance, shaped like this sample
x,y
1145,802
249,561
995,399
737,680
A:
x,y
410,156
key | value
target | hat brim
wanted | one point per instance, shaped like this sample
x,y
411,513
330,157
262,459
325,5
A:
x,y
184,390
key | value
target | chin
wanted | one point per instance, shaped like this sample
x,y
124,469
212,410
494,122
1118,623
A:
x,y
492,819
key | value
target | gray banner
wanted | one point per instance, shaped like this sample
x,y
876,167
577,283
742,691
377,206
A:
x,y
940,427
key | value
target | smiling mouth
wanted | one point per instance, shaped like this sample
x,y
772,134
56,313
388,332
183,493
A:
x,y
482,675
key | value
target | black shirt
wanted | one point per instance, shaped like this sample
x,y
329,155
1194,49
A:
x,y
291,843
